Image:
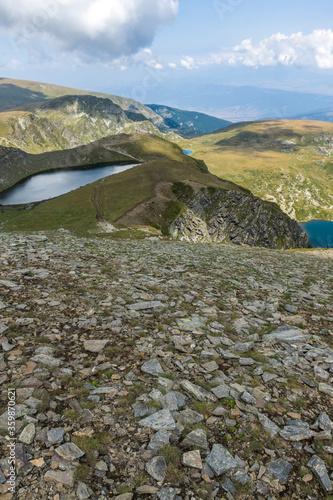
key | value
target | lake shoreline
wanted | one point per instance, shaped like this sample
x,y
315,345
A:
x,y
65,170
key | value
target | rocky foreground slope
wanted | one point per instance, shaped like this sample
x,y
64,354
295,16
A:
x,y
167,370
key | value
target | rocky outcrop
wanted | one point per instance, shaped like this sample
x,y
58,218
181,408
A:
x,y
221,216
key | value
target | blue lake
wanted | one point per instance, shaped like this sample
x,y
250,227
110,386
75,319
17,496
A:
x,y
56,182
188,152
320,232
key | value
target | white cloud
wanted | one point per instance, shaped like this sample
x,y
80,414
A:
x,y
172,65
187,62
313,50
95,29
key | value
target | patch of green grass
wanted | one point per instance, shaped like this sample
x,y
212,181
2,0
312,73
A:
x,y
98,441
82,473
172,456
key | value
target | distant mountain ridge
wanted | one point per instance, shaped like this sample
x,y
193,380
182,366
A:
x,y
38,117
189,121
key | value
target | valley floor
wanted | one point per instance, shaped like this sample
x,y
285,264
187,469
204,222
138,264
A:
x,y
159,369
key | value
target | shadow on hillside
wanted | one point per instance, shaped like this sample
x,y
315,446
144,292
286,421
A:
x,y
12,96
272,140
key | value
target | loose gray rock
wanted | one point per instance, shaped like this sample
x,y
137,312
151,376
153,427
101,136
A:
x,y
162,420
220,460
173,400
95,345
268,425
157,468
140,410
286,333
196,439
296,430
160,439
221,391
28,434
55,435
152,367
168,493
82,492
318,467
280,469
69,451
197,392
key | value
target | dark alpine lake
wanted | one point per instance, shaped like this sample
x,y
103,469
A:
x,y
320,232
56,182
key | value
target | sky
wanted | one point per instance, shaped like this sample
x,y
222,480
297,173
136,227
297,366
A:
x,y
129,46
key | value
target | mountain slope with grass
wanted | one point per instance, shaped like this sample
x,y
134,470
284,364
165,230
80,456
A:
x,y
69,121
169,191
39,117
288,162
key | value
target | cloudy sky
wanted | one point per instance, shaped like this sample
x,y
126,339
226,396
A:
x,y
110,45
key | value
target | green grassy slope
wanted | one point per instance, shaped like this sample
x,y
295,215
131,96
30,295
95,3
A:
x,y
289,162
114,197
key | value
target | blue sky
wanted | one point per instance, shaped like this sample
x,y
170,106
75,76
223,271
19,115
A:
x,y
110,45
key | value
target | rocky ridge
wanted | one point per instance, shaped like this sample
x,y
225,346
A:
x,y
158,369
234,217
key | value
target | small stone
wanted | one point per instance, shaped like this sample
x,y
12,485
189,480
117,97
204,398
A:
x,y
168,493
157,468
280,469
152,367
197,392
140,306
268,425
3,329
82,492
55,435
243,347
220,460
95,345
160,439
65,478
290,308
28,434
47,360
196,439
318,467
326,389
286,333
211,366
147,490
6,346
39,462
101,465
308,382
221,391
69,451
140,410
192,459
159,420
296,430
173,400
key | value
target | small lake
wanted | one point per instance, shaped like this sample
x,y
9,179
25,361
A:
x,y
188,152
50,184
320,232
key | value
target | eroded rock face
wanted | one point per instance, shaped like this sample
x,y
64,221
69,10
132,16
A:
x,y
222,216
